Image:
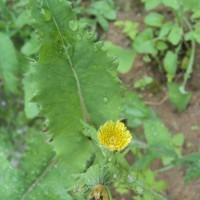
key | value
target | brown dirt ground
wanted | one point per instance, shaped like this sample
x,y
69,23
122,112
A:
x,y
175,121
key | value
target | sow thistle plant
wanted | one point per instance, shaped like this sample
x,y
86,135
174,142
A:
x,y
75,87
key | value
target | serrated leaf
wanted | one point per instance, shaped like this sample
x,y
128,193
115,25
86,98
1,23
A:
x,y
178,96
74,80
154,19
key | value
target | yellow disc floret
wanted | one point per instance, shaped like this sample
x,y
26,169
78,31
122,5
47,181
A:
x,y
114,135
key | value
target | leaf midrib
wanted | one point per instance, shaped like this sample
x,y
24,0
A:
x,y
80,94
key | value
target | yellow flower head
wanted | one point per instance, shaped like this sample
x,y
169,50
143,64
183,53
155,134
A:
x,y
114,135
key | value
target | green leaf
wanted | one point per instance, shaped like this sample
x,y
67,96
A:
x,y
178,96
129,28
175,35
152,4
196,14
144,42
165,29
8,63
191,5
142,83
193,172
178,139
31,46
8,180
23,19
136,112
75,81
105,9
31,108
154,19
170,64
161,46
40,176
172,4
157,135
193,161
125,57
103,22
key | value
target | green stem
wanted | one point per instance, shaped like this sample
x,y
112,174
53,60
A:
x,y
166,168
192,56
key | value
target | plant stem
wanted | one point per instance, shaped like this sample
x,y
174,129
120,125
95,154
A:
x,y
166,168
192,56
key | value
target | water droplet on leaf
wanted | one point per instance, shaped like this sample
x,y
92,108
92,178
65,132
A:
x,y
46,14
105,99
73,25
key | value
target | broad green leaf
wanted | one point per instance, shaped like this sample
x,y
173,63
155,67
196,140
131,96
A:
x,y
75,81
9,187
43,176
178,139
154,19
8,63
165,29
196,13
40,175
142,83
175,35
151,4
136,112
161,46
23,19
31,46
125,57
144,42
103,22
158,138
174,4
156,133
191,5
170,64
104,8
178,96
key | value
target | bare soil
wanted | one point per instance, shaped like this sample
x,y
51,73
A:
x,y
187,122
